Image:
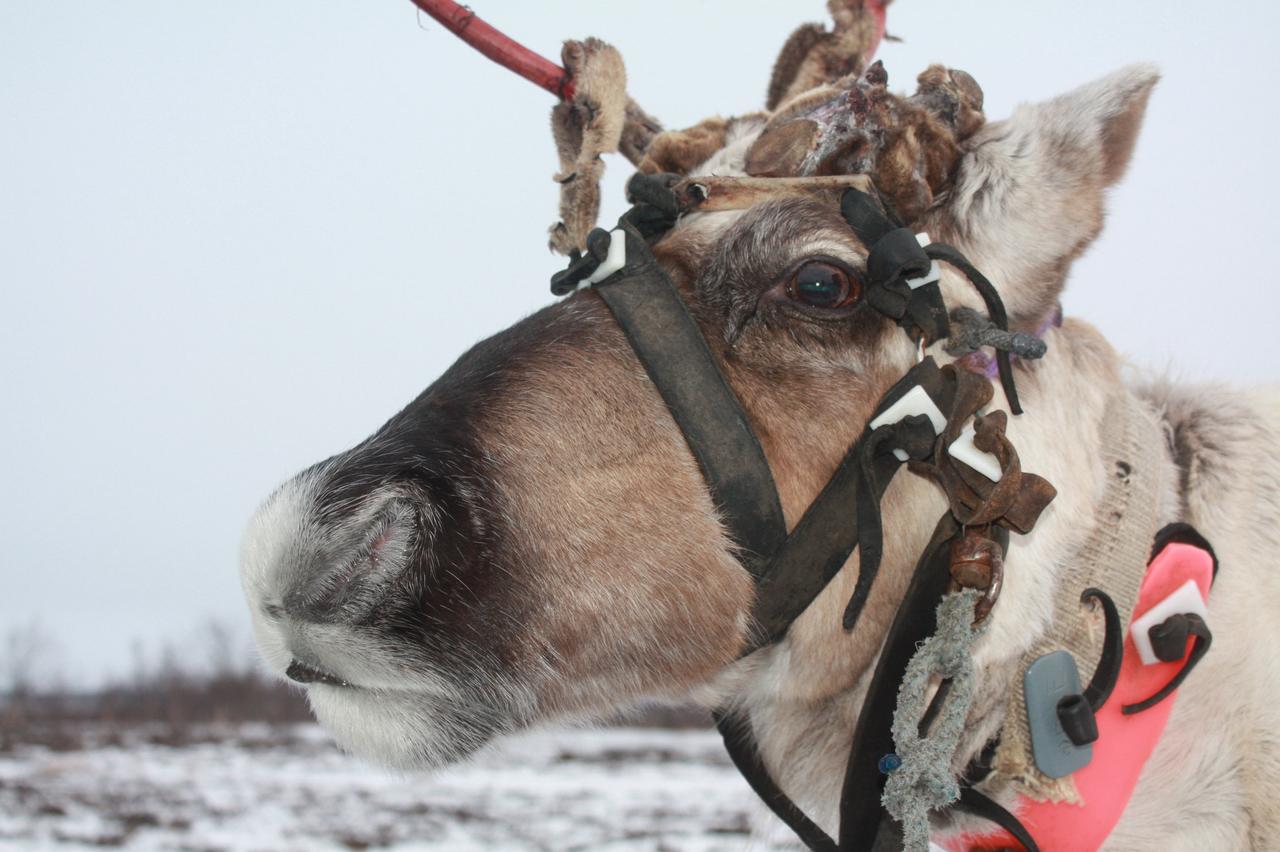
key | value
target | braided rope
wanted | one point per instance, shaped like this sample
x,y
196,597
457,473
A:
x,y
924,779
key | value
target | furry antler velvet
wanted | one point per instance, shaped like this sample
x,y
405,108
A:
x,y
827,113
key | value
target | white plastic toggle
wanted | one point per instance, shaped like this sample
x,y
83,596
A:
x,y
914,402
613,261
1184,599
963,449
934,273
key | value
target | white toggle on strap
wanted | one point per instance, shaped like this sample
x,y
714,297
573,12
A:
x,y
914,402
1184,599
934,273
613,261
963,449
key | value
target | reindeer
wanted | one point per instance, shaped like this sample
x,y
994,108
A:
x,y
531,539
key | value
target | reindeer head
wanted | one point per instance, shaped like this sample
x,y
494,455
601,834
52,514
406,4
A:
x,y
531,538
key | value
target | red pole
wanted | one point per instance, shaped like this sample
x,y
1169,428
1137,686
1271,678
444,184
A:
x,y
513,55
469,27
877,10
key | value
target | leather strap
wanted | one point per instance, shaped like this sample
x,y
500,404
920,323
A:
x,y
863,824
740,743
980,805
675,355
895,256
860,808
836,521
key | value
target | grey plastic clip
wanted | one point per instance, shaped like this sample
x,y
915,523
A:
x,y
1048,680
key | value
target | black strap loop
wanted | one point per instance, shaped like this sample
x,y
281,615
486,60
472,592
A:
x,y
655,192
895,255
1077,713
870,221
740,745
1107,672
915,436
1077,719
981,805
1169,637
1183,533
1165,638
831,527
995,309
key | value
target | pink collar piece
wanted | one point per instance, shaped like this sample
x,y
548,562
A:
x,y
1125,742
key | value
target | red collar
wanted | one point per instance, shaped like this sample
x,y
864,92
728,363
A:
x,y
1125,742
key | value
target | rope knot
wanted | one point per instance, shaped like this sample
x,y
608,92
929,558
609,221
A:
x,y
925,781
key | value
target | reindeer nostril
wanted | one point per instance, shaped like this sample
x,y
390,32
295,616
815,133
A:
x,y
358,571
303,673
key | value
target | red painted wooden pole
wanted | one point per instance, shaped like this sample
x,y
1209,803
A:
x,y
511,54
507,52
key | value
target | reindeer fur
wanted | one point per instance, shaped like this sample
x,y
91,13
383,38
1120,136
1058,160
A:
x,y
563,558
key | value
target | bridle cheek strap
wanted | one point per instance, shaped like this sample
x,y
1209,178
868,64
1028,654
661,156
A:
x,y
674,353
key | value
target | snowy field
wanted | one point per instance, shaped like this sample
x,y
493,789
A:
x,y
264,789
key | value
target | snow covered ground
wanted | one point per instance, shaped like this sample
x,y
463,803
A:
x,y
263,789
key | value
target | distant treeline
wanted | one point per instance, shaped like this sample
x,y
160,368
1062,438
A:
x,y
178,707
216,683
180,699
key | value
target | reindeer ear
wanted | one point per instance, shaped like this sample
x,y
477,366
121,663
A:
x,y
1028,193
1102,118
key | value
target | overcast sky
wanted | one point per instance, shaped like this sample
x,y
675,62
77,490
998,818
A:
x,y
236,236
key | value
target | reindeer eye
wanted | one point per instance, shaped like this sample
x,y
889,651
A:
x,y
822,285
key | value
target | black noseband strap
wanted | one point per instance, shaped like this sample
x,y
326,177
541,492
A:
x,y
675,354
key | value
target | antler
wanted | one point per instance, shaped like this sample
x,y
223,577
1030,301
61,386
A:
x,y
595,116
812,55
638,126
585,127
832,120
910,146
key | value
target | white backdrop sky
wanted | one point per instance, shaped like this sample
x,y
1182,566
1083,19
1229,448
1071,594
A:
x,y
235,236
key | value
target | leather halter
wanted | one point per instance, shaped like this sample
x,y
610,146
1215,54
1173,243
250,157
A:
x,y
791,570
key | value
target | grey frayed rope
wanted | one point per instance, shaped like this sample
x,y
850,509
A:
x,y
924,780
970,331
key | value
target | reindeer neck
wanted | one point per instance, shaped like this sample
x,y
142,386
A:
x,y
805,695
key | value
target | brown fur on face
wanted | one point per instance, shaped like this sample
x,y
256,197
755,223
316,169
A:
x,y
566,555
630,519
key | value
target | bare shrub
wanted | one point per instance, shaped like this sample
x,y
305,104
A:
x,y
209,683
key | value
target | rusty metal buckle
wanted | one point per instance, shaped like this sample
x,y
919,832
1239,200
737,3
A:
x,y
977,562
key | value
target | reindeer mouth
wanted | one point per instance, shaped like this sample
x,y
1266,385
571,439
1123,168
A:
x,y
300,672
